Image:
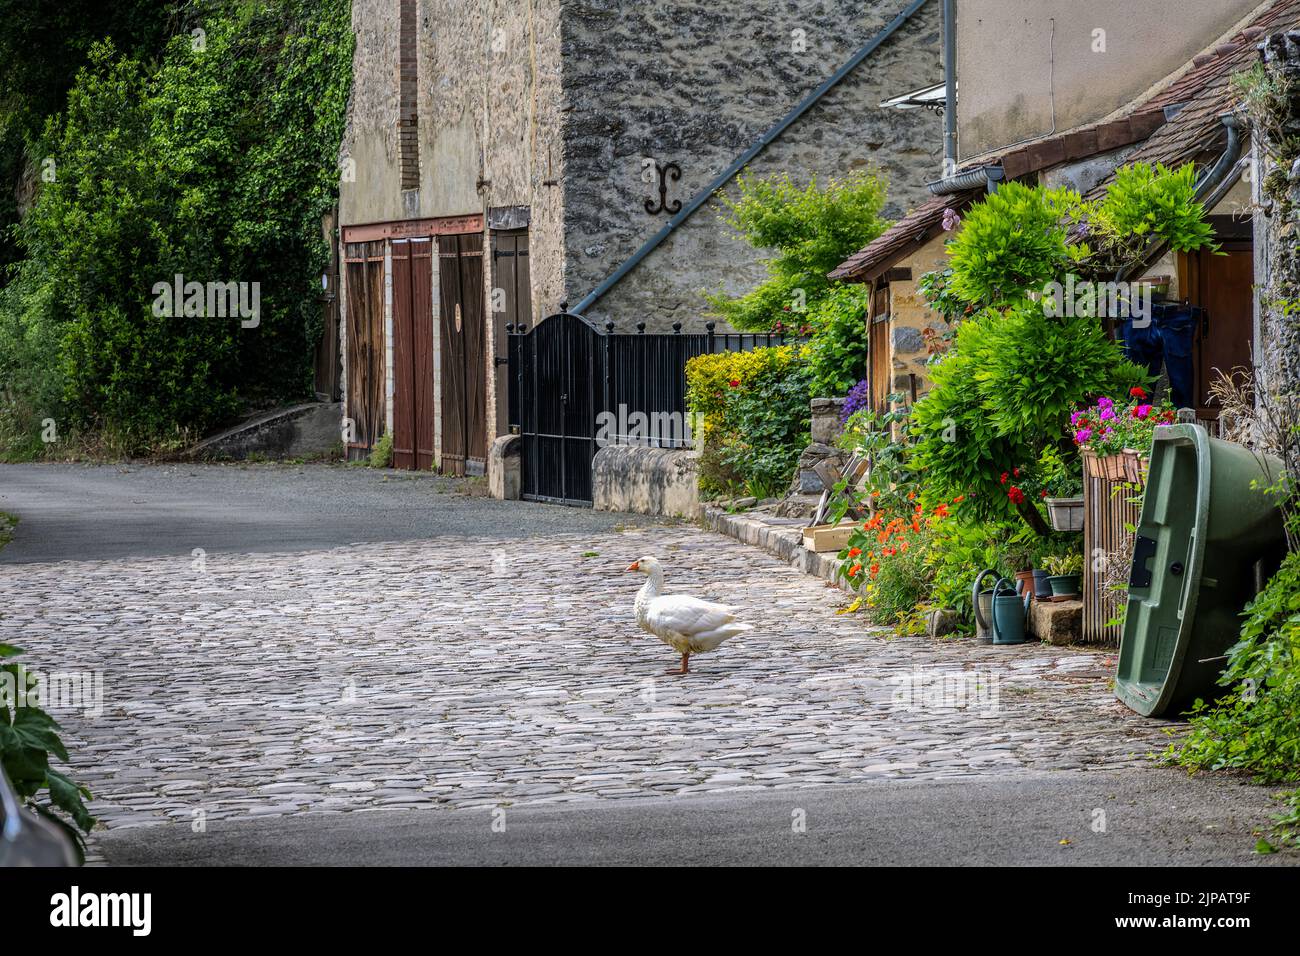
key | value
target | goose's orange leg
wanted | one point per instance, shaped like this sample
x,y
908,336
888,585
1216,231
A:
x,y
685,668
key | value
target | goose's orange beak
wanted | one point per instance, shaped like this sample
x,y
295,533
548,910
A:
x,y
634,566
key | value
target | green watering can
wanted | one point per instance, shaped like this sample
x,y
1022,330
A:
x,y
982,602
1010,612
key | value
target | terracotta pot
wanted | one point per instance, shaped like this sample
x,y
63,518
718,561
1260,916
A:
x,y
1025,584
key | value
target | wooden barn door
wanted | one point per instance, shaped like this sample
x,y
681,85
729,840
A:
x,y
364,265
464,354
413,423
511,277
1222,284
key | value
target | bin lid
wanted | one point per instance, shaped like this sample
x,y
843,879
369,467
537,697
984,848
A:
x,y
1205,523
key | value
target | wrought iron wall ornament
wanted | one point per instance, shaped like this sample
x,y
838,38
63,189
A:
x,y
665,171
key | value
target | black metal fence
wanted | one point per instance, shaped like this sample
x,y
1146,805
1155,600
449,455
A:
x,y
575,387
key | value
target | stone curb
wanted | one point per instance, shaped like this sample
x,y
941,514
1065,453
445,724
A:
x,y
779,540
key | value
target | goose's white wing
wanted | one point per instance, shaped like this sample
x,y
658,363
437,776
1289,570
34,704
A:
x,y
680,614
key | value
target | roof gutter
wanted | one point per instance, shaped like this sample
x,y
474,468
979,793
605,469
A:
x,y
703,196
982,177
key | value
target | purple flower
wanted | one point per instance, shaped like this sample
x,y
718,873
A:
x,y
950,220
1107,413
1074,418
859,398
1105,402
1082,435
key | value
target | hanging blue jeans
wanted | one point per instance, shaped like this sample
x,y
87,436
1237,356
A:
x,y
1166,340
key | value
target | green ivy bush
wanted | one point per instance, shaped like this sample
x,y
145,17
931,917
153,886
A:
x,y
215,163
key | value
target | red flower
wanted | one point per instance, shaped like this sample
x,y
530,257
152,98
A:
x,y
1137,391
1004,478
1043,493
1016,495
854,552
1016,472
734,383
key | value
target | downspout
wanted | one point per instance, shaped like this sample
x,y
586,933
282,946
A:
x,y
703,196
949,87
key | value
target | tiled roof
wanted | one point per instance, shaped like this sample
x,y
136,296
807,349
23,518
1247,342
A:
x,y
1204,90
913,230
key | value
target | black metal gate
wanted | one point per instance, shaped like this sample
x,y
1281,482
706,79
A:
x,y
577,387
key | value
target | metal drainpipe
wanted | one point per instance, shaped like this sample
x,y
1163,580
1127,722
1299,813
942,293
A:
x,y
949,87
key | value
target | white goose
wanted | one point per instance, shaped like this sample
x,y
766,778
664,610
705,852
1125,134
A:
x,y
686,624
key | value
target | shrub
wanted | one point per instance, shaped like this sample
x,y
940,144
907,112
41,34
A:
x,y
755,417
1004,392
837,353
1256,729
809,229
216,164
1010,243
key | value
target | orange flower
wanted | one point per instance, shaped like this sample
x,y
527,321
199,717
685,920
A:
x,y
959,499
875,569
855,570
854,552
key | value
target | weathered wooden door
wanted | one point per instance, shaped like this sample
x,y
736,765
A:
x,y
413,424
364,273
463,354
1222,285
510,281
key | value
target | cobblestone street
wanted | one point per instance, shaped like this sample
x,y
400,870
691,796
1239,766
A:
x,y
471,674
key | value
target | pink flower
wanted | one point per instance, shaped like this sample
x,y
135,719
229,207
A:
x,y
950,220
1142,411
1082,435
1104,402
1106,414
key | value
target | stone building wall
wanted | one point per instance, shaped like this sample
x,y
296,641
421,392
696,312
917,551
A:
x,y
910,315
696,83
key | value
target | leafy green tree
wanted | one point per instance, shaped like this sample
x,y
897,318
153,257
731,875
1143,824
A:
x,y
809,230
217,163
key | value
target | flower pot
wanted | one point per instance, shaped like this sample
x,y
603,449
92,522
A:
x,y
1065,584
1042,590
1066,513
1025,583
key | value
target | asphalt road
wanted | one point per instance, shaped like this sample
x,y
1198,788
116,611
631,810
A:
x,y
86,512
1151,817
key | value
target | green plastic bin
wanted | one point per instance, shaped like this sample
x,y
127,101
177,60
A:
x,y
1206,541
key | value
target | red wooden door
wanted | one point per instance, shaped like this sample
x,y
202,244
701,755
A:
x,y
413,424
464,354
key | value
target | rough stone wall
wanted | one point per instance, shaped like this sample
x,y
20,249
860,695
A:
x,y
1278,231
696,83
910,315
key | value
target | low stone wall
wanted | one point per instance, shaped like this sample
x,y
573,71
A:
x,y
647,481
302,431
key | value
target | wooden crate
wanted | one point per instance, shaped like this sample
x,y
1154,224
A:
x,y
1108,510
827,537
